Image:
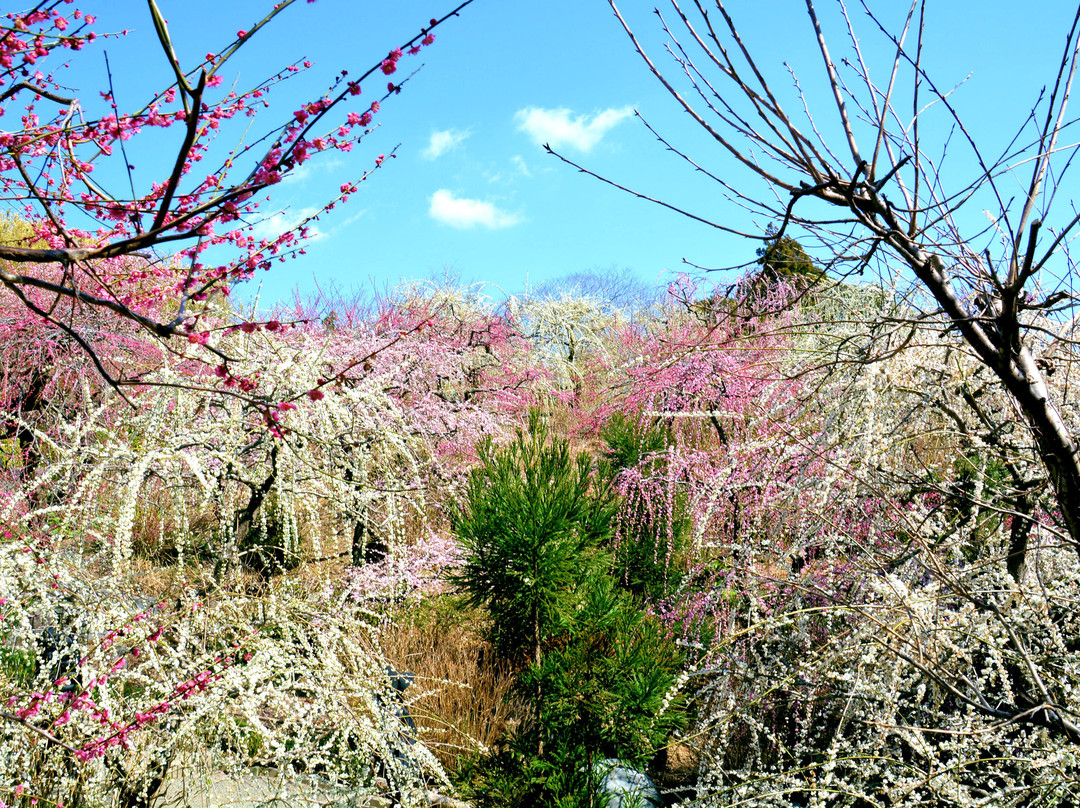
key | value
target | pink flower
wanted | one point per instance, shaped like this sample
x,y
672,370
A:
x,y
316,395
388,66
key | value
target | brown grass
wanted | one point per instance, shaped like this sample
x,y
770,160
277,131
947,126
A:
x,y
459,699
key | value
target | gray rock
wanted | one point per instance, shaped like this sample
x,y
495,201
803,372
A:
x,y
622,786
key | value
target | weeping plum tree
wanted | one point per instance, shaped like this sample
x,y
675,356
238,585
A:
x,y
118,265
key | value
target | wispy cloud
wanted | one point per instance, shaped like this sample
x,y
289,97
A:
x,y
277,223
339,226
441,142
465,213
560,127
304,172
520,165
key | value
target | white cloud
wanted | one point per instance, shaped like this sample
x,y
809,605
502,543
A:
x,y
465,213
339,226
560,127
441,142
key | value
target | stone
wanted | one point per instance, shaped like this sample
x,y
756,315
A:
x,y
623,786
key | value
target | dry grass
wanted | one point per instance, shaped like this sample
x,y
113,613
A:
x,y
460,697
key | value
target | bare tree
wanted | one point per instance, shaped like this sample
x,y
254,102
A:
x,y
884,194
863,175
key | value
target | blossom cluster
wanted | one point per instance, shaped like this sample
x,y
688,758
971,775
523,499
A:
x,y
50,166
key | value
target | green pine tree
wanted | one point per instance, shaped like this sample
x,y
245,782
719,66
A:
x,y
528,523
594,669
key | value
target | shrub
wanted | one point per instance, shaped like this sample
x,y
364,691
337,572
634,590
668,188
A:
x,y
106,693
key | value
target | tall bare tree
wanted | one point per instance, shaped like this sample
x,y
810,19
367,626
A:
x,y
885,194
867,171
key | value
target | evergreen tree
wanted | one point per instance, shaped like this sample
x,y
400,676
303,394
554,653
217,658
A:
x,y
784,259
528,523
595,670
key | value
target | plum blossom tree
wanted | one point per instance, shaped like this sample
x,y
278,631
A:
x,y
96,235
202,432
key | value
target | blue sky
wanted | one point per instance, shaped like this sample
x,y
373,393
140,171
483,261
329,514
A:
x,y
471,192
